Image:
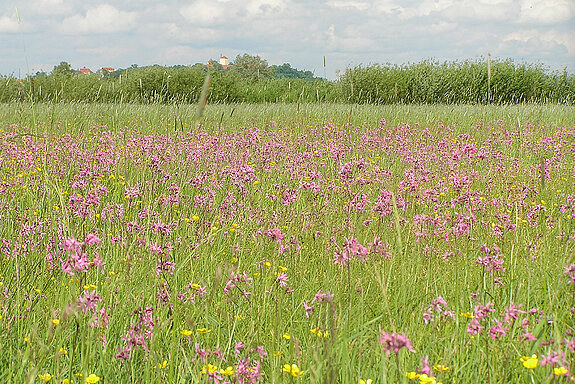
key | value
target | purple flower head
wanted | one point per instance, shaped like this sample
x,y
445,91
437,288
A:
x,y
425,368
394,342
92,239
275,234
570,272
282,279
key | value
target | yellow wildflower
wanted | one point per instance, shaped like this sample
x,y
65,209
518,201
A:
x,y
368,381
209,369
286,336
186,332
203,331
412,375
45,377
92,379
293,370
425,379
229,371
559,371
530,362
441,368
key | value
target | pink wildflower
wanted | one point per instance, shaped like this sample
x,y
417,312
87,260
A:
x,y
394,342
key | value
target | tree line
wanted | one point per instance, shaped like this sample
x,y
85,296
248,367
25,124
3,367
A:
x,y
251,80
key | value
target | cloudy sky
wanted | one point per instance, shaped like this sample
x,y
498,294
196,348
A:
x,y
38,34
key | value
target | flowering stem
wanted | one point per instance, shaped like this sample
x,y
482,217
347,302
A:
x,y
398,370
74,349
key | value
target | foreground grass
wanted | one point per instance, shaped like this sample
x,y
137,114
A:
x,y
140,247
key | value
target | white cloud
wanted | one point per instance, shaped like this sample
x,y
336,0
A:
x,y
482,10
442,26
257,8
9,24
205,13
350,41
214,13
102,19
534,40
357,5
546,12
49,7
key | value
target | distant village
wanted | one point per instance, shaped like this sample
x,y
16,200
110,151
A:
x,y
224,63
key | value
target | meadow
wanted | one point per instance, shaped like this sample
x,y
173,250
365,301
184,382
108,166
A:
x,y
286,243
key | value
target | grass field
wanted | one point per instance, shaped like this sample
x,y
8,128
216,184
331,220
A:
x,y
287,243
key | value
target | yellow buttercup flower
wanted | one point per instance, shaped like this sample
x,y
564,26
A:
x,y
56,322
203,331
560,371
209,369
293,370
186,332
229,371
412,375
45,377
425,379
92,379
530,362
286,336
368,381
441,368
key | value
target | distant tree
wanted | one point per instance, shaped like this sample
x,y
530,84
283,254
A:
x,y
63,69
286,71
251,67
215,66
40,75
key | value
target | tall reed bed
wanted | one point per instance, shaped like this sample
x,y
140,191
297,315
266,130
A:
x,y
425,82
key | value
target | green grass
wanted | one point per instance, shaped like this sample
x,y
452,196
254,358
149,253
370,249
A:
x,y
204,198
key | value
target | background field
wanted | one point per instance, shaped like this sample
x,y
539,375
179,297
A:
x,y
204,242
430,82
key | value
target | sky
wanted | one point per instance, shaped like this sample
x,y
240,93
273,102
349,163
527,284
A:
x,y
36,35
